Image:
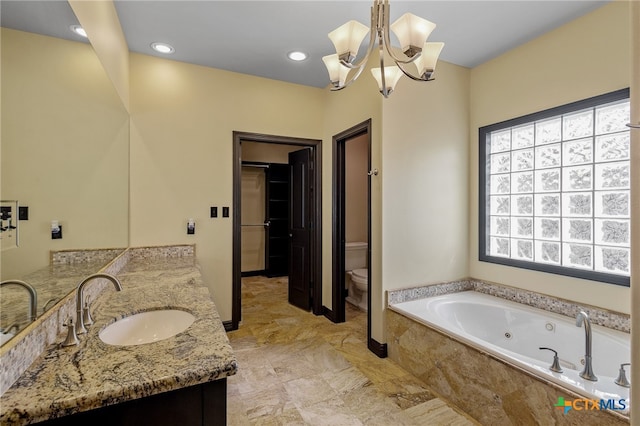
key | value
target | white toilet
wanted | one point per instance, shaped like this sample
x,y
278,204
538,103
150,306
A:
x,y
356,280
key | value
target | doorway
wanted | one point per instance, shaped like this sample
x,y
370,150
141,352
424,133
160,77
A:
x,y
339,226
254,224
312,269
265,211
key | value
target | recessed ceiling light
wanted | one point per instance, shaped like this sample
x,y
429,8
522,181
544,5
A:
x,y
297,55
78,30
162,48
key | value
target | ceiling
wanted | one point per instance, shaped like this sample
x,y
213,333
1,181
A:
x,y
253,37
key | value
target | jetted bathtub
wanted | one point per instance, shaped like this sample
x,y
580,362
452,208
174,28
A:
x,y
514,333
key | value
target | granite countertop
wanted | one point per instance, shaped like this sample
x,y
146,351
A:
x,y
52,283
93,374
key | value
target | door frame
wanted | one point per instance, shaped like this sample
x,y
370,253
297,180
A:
x,y
316,235
338,224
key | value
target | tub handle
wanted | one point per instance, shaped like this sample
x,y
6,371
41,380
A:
x,y
555,367
622,377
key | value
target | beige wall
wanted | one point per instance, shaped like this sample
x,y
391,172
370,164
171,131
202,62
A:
x,y
408,157
424,201
356,180
182,121
64,148
587,57
100,21
425,180
181,106
344,109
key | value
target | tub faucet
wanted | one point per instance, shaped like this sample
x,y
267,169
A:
x,y
622,377
80,328
555,367
587,372
33,296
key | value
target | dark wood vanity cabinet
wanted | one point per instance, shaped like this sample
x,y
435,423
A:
x,y
204,404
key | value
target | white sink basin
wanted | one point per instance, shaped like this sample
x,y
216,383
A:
x,y
146,327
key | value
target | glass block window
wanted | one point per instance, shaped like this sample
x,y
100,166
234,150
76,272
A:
x,y
555,190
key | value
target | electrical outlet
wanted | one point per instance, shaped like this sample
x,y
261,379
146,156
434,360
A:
x,y
23,213
57,235
214,212
225,212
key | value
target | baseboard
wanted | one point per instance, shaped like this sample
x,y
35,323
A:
x,y
380,349
229,325
329,314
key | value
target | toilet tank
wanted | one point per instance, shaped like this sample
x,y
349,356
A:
x,y
355,255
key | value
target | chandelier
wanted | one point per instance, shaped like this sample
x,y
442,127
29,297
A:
x,y
417,60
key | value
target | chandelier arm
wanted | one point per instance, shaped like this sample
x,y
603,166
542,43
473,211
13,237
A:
x,y
372,37
425,77
380,30
360,65
387,38
383,90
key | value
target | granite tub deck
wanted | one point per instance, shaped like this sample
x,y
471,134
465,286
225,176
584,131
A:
x,y
64,381
487,388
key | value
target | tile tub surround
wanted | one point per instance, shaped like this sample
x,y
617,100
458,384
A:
x,y
79,378
19,353
610,319
489,390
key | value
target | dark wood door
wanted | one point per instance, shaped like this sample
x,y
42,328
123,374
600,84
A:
x,y
277,220
300,229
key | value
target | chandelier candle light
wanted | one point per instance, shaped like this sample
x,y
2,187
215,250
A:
x,y
412,32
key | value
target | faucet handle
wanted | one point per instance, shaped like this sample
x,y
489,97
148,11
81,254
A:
x,y
86,313
72,337
555,366
622,377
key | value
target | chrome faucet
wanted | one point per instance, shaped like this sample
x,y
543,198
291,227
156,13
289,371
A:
x,y
587,372
80,324
33,296
622,377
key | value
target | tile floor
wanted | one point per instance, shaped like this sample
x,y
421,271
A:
x,y
296,368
